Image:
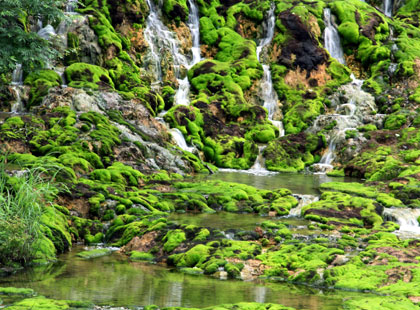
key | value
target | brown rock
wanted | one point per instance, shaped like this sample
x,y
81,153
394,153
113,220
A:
x,y
143,244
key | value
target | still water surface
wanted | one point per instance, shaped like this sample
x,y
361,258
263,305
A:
x,y
113,280
298,183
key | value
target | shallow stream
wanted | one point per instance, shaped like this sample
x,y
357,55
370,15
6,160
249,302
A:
x,y
115,281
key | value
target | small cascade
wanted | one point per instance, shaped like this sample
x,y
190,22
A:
x,y
71,6
47,32
258,168
304,200
180,140
406,218
259,164
388,7
159,38
350,114
332,38
60,71
17,75
17,85
194,25
268,94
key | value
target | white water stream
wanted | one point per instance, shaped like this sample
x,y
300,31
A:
x,y
332,38
349,113
388,6
17,82
406,218
304,200
161,39
268,94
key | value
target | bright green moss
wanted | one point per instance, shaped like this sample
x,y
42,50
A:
x,y
142,256
173,239
41,81
94,253
394,122
82,75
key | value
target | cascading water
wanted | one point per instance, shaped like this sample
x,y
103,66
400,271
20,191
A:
x,y
304,200
160,38
17,75
268,94
332,38
406,218
71,6
180,140
388,6
183,92
348,114
17,82
47,32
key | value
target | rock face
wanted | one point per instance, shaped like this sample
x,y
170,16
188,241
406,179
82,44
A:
x,y
307,55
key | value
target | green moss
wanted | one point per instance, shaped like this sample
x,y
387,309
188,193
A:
x,y
173,239
176,9
16,291
82,75
94,253
394,122
142,256
41,81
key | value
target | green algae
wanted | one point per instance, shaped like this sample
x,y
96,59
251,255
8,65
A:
x,y
94,253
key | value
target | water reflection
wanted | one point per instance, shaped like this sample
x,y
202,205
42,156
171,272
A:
x,y
114,281
298,183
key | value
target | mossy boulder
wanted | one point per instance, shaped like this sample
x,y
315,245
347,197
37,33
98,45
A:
x,y
82,75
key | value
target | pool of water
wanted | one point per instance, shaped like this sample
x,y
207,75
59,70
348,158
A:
x,y
225,220
115,281
298,183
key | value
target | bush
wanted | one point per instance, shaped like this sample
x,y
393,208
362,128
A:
x,y
21,206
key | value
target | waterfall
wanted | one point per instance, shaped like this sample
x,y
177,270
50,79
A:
x,y
180,140
388,7
47,32
332,38
304,200
159,38
406,218
194,25
71,6
61,72
258,168
268,94
17,75
16,85
348,115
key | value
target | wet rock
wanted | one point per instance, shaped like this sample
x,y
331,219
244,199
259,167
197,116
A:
x,y
142,244
88,49
305,49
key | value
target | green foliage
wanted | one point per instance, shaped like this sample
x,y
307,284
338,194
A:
x,y
22,205
18,44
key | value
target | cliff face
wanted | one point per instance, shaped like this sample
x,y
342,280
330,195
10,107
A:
x,y
107,49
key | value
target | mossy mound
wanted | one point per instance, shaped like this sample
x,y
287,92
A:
x,y
82,75
293,152
41,81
